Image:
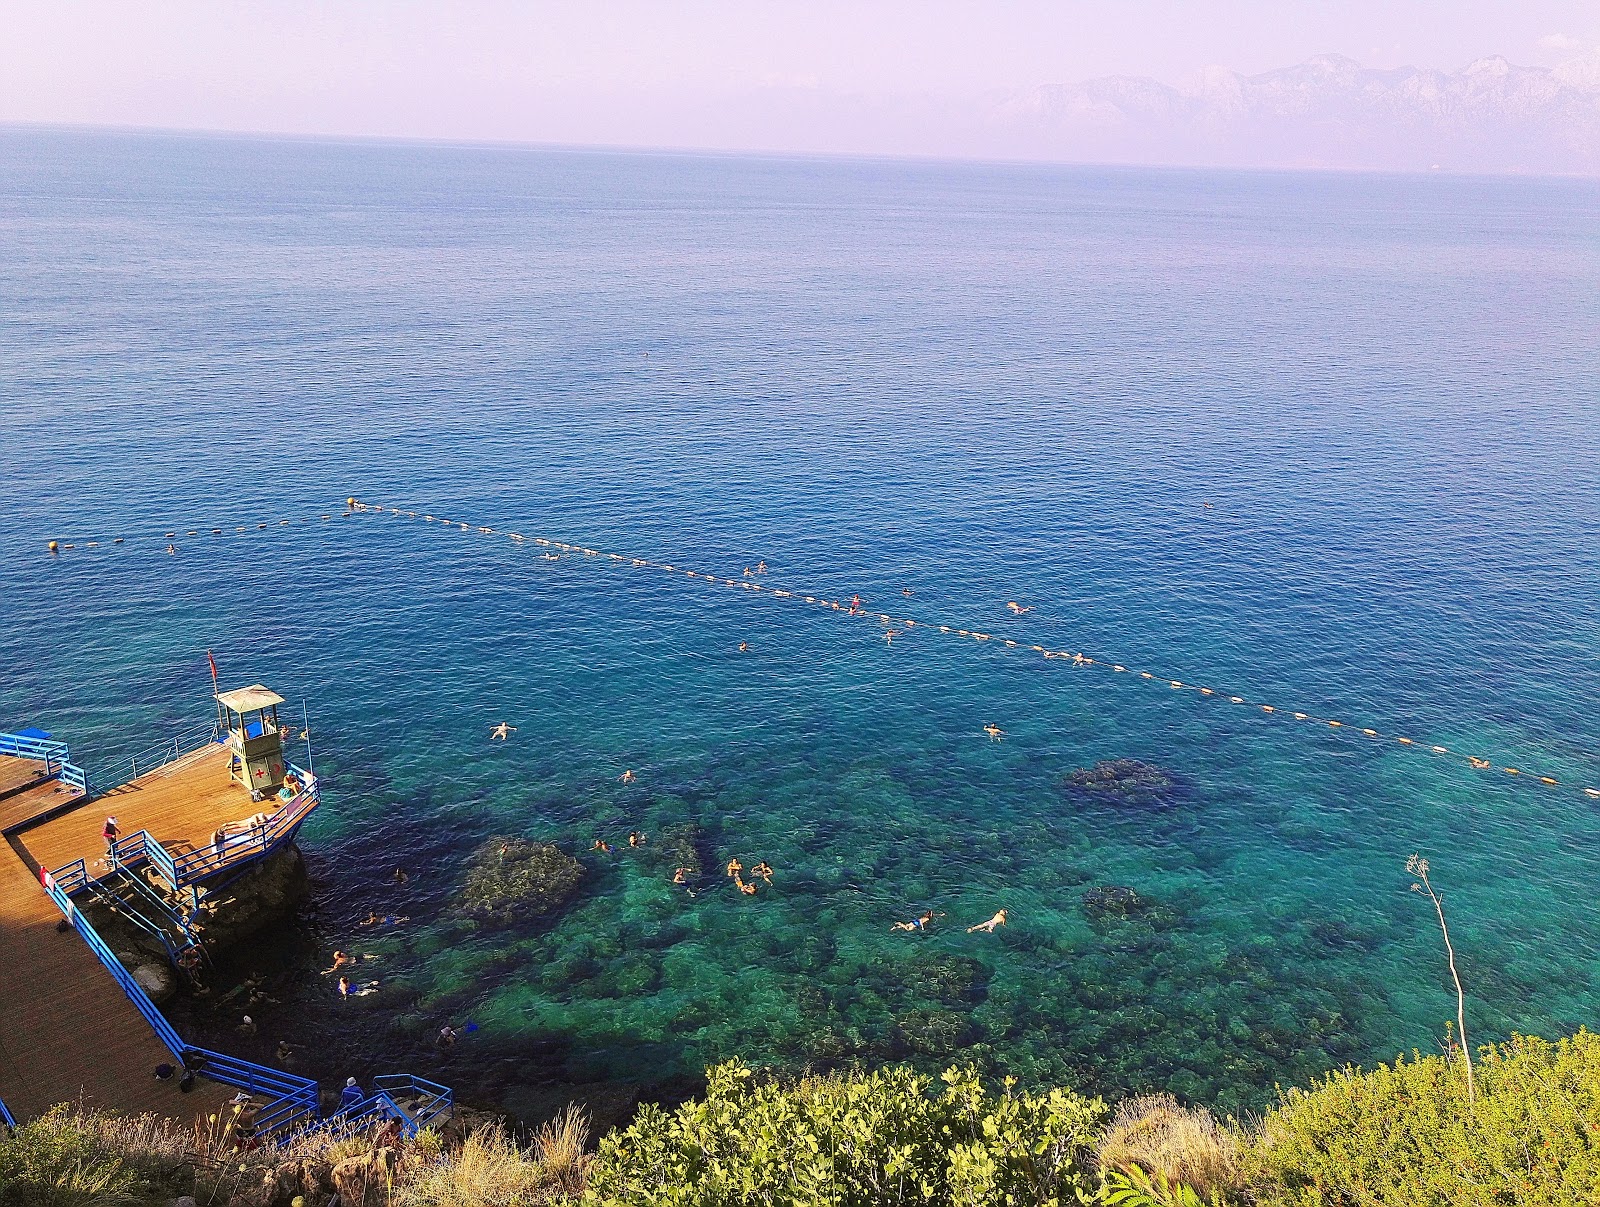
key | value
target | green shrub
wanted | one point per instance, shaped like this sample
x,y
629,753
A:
x,y
58,1161
852,1140
1406,1134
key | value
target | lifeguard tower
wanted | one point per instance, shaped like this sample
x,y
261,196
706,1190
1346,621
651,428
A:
x,y
249,716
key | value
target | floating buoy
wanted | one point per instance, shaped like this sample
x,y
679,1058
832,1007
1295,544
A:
x,y
55,547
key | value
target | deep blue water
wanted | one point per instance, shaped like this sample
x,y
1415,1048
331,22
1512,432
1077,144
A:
x,y
981,383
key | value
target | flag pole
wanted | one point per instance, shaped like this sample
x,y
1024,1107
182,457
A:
x,y
305,732
215,691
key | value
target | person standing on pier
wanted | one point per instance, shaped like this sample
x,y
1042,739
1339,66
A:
x,y
110,833
351,1095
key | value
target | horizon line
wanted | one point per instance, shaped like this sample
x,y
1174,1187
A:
x,y
691,151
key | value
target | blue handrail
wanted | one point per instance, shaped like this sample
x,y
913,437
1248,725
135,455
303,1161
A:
x,y
194,866
135,992
55,756
5,1116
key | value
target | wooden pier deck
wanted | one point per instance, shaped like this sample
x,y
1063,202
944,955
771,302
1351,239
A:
x,y
67,1031
181,805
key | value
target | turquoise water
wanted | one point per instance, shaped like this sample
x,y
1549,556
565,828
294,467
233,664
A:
x,y
981,383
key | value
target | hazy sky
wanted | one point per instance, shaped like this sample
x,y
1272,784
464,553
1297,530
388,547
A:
x,y
768,74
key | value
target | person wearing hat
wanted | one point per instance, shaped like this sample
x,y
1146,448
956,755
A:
x,y
351,1096
110,833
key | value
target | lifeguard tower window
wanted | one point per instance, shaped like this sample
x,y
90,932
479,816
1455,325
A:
x,y
249,715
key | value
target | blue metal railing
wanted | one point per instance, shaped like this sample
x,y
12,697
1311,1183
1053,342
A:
x,y
158,754
258,840
294,1101
295,1097
436,1099
194,866
136,994
55,756
5,1116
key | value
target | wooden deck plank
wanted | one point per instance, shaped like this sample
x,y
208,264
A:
x,y
67,1031
17,773
31,802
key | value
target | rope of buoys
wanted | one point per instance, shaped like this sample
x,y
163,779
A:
x,y
58,545
854,609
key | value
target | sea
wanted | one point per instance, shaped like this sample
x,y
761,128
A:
x,y
1327,443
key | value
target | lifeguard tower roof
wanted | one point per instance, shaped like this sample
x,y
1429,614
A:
x,y
248,699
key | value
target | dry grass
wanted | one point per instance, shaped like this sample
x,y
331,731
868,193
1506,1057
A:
x,y
1159,1135
490,1170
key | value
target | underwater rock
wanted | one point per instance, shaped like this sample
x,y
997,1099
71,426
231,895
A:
x,y
1125,782
1113,901
677,846
949,979
933,1032
515,877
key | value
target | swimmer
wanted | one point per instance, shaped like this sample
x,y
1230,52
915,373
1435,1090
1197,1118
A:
x,y
889,635
286,1050
1480,764
447,1036
681,877
746,888
735,867
247,1026
341,959
627,777
906,591
551,557
401,875
744,647
855,604
994,731
170,549
375,919
636,838
601,844
764,870
920,923
761,567
988,927
747,571
347,989
502,732
1017,609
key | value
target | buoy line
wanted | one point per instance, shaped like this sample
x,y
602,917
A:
x,y
170,535
895,625
899,623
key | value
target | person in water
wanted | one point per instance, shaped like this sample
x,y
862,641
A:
x,y
401,875
341,959
988,927
749,889
627,777
994,731
735,867
636,838
681,877
348,989
764,870
920,923
502,732
374,918
601,844
744,647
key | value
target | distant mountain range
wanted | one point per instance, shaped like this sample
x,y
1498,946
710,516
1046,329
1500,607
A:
x,y
1491,116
